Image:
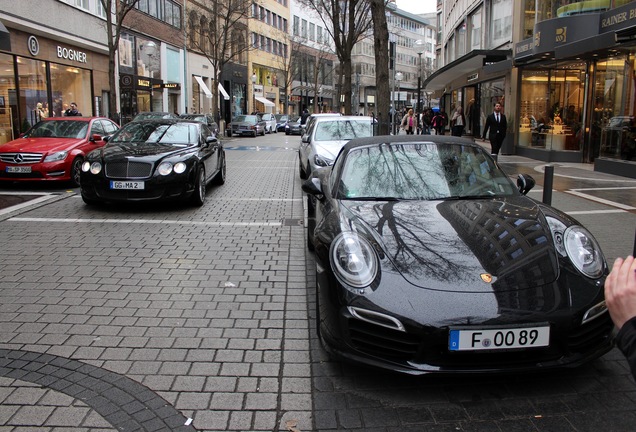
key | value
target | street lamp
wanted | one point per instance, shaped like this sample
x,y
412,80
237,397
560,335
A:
x,y
253,92
398,77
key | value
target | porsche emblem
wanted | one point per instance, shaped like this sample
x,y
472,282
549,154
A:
x,y
486,277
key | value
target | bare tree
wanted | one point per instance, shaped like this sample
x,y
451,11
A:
x,y
288,64
116,10
381,42
347,22
225,38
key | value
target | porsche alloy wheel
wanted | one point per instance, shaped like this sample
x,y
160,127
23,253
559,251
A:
x,y
220,177
198,196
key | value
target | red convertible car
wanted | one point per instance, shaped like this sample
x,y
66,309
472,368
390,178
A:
x,y
53,149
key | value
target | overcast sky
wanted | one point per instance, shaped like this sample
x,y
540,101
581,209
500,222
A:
x,y
417,6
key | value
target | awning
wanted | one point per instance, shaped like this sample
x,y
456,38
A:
x,y
5,40
205,88
264,101
223,92
471,62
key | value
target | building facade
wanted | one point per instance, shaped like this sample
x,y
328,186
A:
x,y
49,67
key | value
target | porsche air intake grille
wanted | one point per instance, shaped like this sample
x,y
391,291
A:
x,y
382,341
590,334
128,169
20,158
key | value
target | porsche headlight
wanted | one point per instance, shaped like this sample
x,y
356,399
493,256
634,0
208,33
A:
x,y
57,156
584,251
353,260
322,161
164,168
180,167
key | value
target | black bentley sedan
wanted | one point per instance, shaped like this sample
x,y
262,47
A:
x,y
154,160
430,259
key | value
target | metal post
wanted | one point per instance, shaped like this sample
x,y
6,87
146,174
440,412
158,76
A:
x,y
419,85
547,184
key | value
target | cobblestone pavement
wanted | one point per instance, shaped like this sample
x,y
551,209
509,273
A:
x,y
179,318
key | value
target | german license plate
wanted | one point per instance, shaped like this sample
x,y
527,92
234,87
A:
x,y
498,338
135,185
18,169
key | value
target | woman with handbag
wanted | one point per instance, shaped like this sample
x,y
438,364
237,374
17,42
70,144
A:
x,y
409,122
458,122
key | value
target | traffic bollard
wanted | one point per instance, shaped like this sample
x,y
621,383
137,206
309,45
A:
x,y
547,184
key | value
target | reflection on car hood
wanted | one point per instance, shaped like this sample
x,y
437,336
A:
x,y
39,145
119,150
329,149
454,245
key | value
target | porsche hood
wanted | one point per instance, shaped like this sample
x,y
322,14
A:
x,y
471,245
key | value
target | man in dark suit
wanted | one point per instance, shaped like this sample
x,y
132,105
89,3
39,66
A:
x,y
496,126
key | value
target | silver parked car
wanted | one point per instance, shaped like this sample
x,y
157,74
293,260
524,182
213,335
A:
x,y
270,122
326,136
251,125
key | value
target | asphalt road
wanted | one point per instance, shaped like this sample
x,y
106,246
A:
x,y
170,317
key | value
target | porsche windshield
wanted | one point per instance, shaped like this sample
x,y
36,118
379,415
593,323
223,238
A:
x,y
59,129
421,172
160,133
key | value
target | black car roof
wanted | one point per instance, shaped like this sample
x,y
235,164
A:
x,y
399,139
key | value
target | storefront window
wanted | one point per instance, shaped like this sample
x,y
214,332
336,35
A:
x,y
9,119
551,107
612,122
70,84
33,91
148,58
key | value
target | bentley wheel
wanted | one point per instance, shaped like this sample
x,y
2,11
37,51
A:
x,y
220,177
198,196
76,169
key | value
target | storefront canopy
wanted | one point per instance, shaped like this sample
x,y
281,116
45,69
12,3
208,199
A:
x,y
471,62
204,87
264,101
5,40
223,92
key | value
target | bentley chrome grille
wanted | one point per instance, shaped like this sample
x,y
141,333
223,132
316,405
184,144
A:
x,y
128,169
20,158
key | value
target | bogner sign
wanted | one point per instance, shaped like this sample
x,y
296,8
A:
x,y
71,54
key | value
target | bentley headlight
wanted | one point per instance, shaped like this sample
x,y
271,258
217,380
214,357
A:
x,y
584,251
322,161
86,166
57,156
164,168
179,167
353,260
96,168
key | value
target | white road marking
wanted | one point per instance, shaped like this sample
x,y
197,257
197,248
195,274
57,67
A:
x,y
541,169
600,200
586,212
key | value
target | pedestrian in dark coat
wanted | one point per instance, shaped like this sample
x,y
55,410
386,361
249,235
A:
x,y
495,127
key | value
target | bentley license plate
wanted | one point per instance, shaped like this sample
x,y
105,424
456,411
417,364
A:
x,y
498,338
18,169
135,185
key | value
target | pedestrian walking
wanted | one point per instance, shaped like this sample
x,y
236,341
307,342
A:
x,y
409,122
495,127
458,122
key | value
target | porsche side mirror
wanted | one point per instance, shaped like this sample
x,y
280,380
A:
x,y
525,183
312,186
305,138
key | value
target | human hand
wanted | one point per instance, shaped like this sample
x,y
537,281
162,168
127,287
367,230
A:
x,y
620,291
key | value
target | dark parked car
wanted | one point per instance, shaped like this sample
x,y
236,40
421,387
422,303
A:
x,y
149,115
207,119
293,126
154,160
53,149
429,259
251,125
281,119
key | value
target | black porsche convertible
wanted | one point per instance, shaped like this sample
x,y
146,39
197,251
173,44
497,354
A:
x,y
152,160
430,259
